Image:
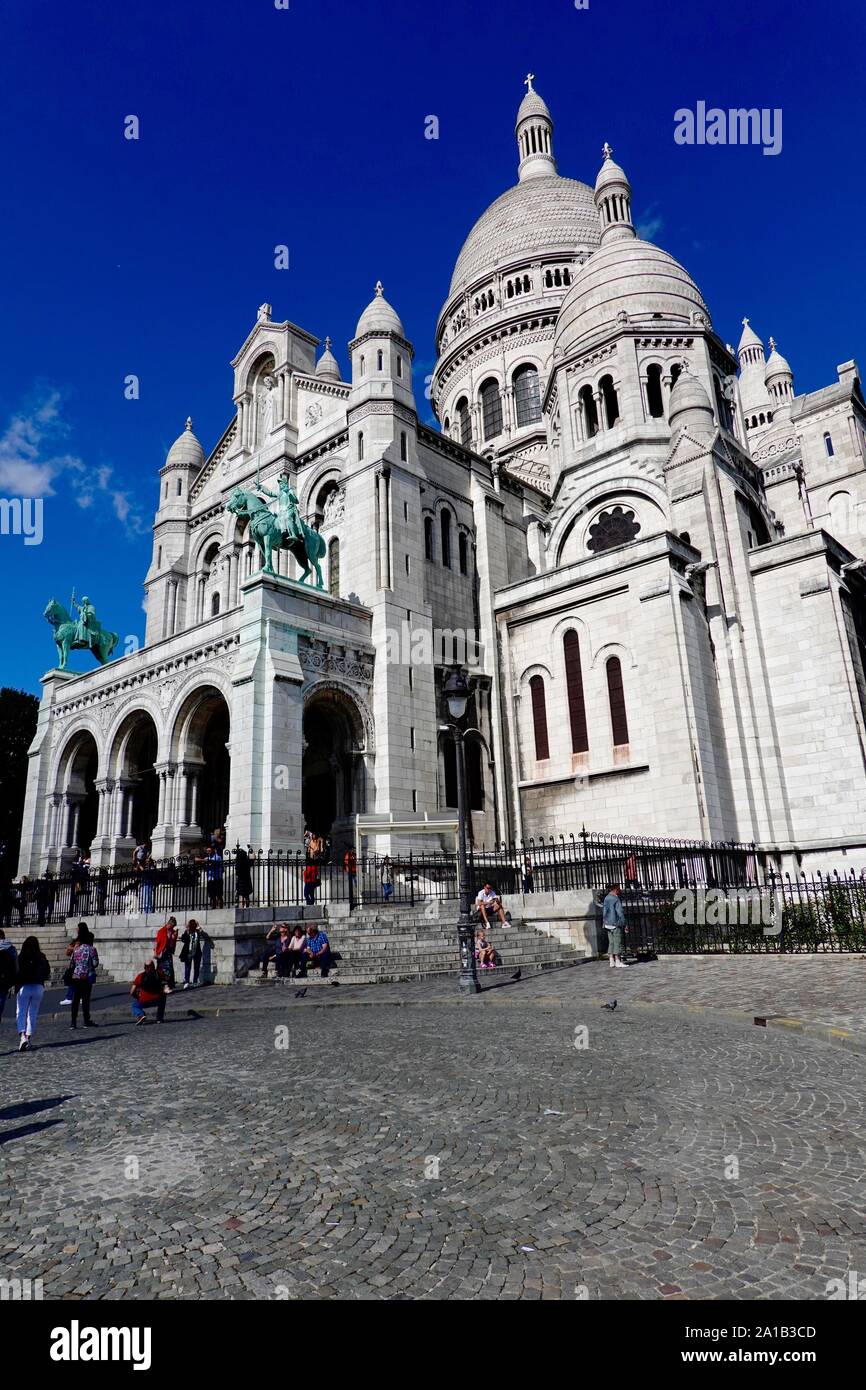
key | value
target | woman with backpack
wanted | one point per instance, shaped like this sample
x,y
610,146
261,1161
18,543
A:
x,y
33,971
83,966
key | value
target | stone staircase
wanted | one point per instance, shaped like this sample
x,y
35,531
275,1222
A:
x,y
382,945
53,941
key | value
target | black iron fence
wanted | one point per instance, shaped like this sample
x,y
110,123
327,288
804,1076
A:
x,y
679,896
782,915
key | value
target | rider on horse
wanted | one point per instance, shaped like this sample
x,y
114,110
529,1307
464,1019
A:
x,y
286,510
86,625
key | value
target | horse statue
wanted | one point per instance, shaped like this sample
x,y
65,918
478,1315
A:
x,y
86,633
270,534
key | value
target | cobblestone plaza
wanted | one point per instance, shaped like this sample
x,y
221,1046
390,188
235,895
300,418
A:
x,y
398,1142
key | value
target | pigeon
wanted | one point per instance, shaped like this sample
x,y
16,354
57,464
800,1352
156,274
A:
x,y
299,993
517,974
610,1007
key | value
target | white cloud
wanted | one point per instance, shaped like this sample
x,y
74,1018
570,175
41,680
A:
x,y
31,466
650,222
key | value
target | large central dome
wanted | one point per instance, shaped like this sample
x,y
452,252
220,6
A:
x,y
538,216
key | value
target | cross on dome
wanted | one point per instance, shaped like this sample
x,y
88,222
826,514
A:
x,y
528,81
380,288
745,323
327,343
772,344
188,422
606,150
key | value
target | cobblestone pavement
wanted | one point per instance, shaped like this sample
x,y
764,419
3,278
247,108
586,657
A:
x,y
454,1148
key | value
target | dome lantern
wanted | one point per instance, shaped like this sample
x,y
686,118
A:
x,y
612,198
534,131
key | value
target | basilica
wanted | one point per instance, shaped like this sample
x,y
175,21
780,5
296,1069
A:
x,y
644,543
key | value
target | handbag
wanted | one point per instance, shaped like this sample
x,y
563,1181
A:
x,y
68,975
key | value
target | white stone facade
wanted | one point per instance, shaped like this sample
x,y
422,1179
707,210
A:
x,y
654,561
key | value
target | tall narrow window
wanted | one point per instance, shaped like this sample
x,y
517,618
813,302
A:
x,y
616,697
654,400
445,523
428,538
574,687
491,409
611,402
214,605
404,447
588,411
399,365
527,395
828,445
334,567
379,361
462,551
539,718
464,422
360,444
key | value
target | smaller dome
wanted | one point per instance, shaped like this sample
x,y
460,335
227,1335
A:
x,y
379,317
185,452
327,367
631,278
689,403
610,172
532,105
749,338
777,365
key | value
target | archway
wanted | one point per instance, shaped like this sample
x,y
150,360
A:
x,y
81,800
137,770
333,785
201,747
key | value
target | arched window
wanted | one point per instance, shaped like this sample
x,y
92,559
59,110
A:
x,y
654,399
616,698
361,365
360,444
611,403
676,369
491,409
179,486
539,718
462,551
474,774
574,688
464,421
404,447
334,567
828,445
445,524
399,365
379,360
527,395
159,557
588,411
214,605
428,538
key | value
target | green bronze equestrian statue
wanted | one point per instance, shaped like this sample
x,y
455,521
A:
x,y
85,632
286,530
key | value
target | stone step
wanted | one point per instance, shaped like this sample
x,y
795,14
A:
x,y
384,976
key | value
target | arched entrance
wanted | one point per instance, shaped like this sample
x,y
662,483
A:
x,y
201,749
144,784
80,798
334,784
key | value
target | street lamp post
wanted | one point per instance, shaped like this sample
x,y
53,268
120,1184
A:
x,y
457,698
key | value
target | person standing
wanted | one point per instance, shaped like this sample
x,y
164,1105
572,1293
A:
x,y
148,879
214,876
148,992
387,876
191,948
85,963
81,936
528,875
312,879
613,916
8,969
163,952
33,970
350,864
243,877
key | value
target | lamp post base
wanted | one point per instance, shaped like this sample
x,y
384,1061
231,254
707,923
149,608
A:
x,y
468,982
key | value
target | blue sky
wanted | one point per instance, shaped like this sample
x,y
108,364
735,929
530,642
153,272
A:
x,y
305,126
